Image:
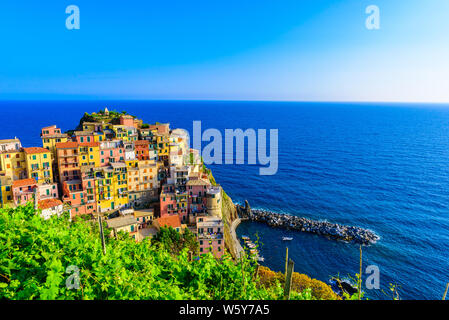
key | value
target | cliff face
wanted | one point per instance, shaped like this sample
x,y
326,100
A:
x,y
229,213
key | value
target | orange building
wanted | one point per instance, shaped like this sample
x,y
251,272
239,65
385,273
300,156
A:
x,y
142,149
68,166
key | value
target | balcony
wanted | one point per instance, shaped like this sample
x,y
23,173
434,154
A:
x,y
211,236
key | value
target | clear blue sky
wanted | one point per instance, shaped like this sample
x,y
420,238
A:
x,y
314,50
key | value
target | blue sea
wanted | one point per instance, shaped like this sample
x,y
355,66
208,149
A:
x,y
384,167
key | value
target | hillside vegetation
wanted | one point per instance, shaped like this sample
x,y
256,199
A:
x,y
36,257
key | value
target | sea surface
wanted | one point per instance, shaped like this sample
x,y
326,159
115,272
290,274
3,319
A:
x,y
384,167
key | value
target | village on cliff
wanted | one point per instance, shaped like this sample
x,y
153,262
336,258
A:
x,y
140,176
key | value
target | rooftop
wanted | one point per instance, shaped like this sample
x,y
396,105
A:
x,y
121,222
23,182
49,203
67,145
34,150
169,221
143,213
198,182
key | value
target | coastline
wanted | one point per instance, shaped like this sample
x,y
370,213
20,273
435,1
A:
x,y
237,245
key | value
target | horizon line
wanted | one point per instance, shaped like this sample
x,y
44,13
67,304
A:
x,y
225,100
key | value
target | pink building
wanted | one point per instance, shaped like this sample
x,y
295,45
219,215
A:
x,y
172,201
197,189
210,235
84,136
111,152
48,191
50,131
76,196
127,121
23,191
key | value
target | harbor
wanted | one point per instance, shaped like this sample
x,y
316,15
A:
x,y
324,228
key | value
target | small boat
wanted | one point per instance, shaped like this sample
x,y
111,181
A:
x,y
287,239
261,259
245,238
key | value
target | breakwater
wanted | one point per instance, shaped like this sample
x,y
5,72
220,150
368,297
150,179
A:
x,y
331,230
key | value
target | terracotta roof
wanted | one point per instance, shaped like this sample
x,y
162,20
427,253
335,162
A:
x,y
33,150
89,144
170,221
66,145
23,182
141,142
48,203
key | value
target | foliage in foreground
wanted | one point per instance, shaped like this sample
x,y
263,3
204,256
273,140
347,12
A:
x,y
173,241
300,282
35,254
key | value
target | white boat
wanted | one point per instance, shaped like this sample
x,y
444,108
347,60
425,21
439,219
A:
x,y
261,259
287,239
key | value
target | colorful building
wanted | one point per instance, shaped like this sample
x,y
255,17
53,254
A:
x,y
24,191
210,235
197,190
172,201
142,149
39,164
111,187
89,154
67,160
50,207
111,152
6,195
13,164
50,137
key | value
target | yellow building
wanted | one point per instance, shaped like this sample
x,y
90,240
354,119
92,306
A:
x,y
13,165
143,182
120,132
39,164
162,146
6,196
89,154
50,137
111,187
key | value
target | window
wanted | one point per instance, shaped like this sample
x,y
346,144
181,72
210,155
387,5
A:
x,y
45,156
34,157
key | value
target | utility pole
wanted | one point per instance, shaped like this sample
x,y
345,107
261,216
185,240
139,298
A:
x,y
288,280
102,234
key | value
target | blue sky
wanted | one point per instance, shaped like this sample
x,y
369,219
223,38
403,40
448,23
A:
x,y
316,50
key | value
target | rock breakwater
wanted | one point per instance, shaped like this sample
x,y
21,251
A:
x,y
324,228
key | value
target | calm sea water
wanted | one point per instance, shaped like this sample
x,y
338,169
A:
x,y
382,167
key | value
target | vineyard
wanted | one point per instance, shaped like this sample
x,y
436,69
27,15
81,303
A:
x,y
38,259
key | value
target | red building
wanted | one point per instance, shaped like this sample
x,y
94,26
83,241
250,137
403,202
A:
x,y
142,149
